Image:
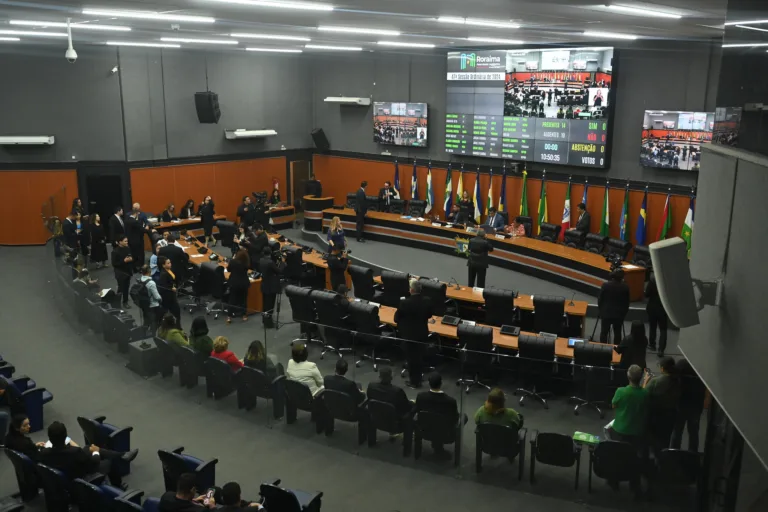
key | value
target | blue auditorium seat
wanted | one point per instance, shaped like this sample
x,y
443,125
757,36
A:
x,y
290,500
175,463
100,498
106,435
25,396
26,474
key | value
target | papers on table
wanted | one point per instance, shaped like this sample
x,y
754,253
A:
x,y
405,217
105,291
66,442
437,224
477,289
500,237
196,255
629,267
176,221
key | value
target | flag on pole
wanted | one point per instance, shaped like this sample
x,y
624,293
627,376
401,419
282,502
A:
x,y
448,193
414,183
430,192
687,233
396,186
476,198
275,184
565,224
584,196
623,222
460,188
605,222
640,234
503,195
543,204
524,195
666,221
489,199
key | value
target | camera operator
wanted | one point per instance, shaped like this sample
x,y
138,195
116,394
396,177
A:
x,y
613,305
337,264
247,212
271,267
256,241
260,208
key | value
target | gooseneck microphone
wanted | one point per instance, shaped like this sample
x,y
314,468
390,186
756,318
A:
x,y
572,296
452,281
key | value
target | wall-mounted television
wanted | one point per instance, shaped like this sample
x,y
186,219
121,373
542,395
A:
x,y
400,124
672,139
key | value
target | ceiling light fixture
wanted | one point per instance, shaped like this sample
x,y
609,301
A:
x,y
199,41
304,6
406,45
278,50
32,33
148,15
326,47
494,41
477,22
147,45
270,36
752,28
58,24
609,35
353,30
744,45
649,12
747,22
9,39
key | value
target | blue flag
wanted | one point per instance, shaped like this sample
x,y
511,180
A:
x,y
503,195
448,201
414,183
584,197
640,234
397,181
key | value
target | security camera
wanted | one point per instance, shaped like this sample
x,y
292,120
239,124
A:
x,y
70,54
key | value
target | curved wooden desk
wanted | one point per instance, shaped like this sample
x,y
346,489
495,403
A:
x,y
282,217
574,268
313,211
193,225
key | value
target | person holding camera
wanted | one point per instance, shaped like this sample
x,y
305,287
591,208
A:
x,y
613,305
247,212
270,283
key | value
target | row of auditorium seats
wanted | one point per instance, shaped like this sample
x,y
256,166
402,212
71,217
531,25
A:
x,y
23,395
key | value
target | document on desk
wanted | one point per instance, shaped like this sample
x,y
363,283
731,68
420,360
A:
x,y
197,255
176,221
105,291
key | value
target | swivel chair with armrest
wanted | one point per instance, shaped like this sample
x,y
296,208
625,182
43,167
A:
x,y
641,257
351,201
332,318
574,238
595,243
397,206
549,314
527,223
363,284
209,281
395,287
227,232
296,271
477,346
304,313
593,362
500,307
538,363
437,293
369,331
618,247
373,203
416,208
549,232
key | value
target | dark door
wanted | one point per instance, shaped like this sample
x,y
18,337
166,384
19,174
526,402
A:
x,y
300,171
104,193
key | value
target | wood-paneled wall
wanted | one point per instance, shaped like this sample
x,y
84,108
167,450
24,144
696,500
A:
x,y
22,195
226,182
341,175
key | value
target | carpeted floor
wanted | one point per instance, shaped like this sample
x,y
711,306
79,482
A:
x,y
89,378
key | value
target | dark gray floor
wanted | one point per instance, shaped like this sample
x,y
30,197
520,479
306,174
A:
x,y
88,378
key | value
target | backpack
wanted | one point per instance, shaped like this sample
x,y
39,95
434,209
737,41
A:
x,y
140,294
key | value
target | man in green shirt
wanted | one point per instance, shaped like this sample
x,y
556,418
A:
x,y
493,411
632,405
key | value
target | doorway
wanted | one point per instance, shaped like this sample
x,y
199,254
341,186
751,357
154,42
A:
x,y
300,171
104,193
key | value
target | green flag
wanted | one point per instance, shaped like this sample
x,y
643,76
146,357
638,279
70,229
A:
x,y
524,195
687,233
605,222
543,205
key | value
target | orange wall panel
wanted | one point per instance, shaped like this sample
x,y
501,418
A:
x,y
154,189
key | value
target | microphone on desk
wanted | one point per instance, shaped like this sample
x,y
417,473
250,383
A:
x,y
452,281
572,296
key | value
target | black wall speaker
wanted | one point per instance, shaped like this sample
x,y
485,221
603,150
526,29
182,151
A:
x,y
321,141
207,105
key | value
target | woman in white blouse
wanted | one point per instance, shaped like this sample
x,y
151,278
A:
x,y
301,370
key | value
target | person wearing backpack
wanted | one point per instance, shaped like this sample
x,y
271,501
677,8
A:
x,y
147,298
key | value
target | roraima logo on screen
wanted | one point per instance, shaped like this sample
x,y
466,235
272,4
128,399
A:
x,y
473,60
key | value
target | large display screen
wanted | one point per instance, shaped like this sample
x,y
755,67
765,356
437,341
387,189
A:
x,y
673,139
400,124
548,106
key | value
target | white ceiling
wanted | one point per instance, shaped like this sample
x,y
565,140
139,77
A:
x,y
541,21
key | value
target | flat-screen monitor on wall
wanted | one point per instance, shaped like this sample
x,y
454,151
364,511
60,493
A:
x,y
550,105
400,124
672,139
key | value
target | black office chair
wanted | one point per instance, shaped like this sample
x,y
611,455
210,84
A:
x,y
416,207
253,384
436,291
500,307
351,201
167,357
296,271
554,449
397,206
592,362
575,239
395,287
26,474
641,256
175,463
538,363
290,500
210,281
437,428
363,284
298,397
549,314
500,441
549,232
341,406
615,461
476,343
373,203
227,232
331,316
505,216
303,310
191,366
369,331
595,243
618,247
527,223
383,416
219,378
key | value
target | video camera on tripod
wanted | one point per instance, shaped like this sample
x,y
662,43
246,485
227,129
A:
x,y
615,261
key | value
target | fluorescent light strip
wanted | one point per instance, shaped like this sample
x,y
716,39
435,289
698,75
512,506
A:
x,y
744,45
326,47
9,39
494,41
276,50
651,13
198,41
147,45
148,15
406,45
58,24
270,36
752,28
477,22
304,6
609,35
747,22
353,30
31,33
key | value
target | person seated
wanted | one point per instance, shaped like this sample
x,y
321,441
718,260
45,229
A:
x,y
198,337
339,382
274,199
457,216
221,351
493,411
232,501
18,437
436,401
184,500
171,332
516,229
494,220
169,214
385,391
301,370
75,462
257,357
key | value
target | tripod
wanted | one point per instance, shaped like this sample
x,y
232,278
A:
x,y
623,332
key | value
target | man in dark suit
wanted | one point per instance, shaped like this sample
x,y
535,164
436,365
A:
x,y
386,195
270,284
436,401
246,212
385,391
337,265
412,319
116,226
178,257
339,382
135,230
477,262
256,241
494,220
232,501
613,305
657,317
69,230
122,263
184,500
584,219
361,206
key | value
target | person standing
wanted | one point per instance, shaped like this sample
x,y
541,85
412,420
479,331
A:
x,y
690,406
337,266
206,212
361,207
412,317
478,248
116,226
98,241
336,234
69,230
122,262
386,195
664,394
239,283
270,285
134,230
613,305
166,282
153,311
247,212
657,317
584,219
467,206
256,241
632,348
